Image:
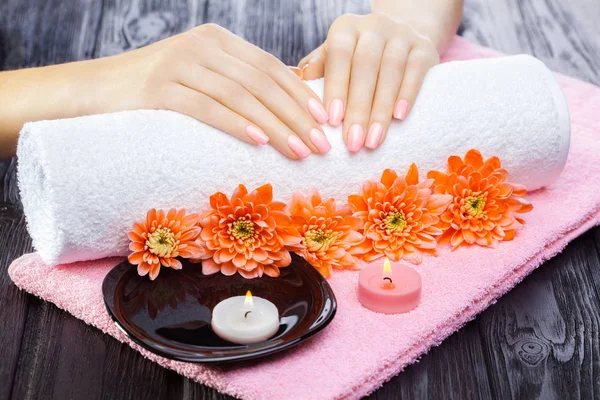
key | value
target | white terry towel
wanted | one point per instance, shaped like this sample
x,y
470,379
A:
x,y
84,181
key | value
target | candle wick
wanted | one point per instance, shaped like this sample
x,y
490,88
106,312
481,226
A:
x,y
246,315
388,278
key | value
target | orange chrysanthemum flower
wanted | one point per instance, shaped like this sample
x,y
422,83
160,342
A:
x,y
247,234
483,204
399,216
329,234
161,239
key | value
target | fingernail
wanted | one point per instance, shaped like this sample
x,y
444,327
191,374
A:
x,y
319,139
374,135
400,109
256,134
298,147
336,112
355,137
303,70
317,110
298,71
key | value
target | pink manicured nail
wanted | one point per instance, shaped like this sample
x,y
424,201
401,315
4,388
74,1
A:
x,y
401,109
336,112
298,147
256,134
317,110
355,137
319,139
374,135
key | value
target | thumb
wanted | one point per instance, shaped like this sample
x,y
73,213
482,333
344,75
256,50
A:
x,y
313,65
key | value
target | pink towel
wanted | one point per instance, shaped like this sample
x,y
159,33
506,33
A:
x,y
360,349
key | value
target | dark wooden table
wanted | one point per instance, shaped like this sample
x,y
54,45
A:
x,y
541,340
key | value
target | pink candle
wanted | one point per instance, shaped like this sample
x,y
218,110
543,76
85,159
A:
x,y
390,289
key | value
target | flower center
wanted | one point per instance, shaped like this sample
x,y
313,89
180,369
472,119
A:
x,y
318,240
242,229
474,205
395,221
162,242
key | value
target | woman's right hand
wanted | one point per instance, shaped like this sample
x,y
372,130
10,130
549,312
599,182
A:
x,y
220,79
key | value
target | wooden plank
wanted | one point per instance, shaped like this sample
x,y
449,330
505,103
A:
x,y
542,339
595,250
34,34
128,25
562,34
192,391
454,370
49,350
42,33
14,240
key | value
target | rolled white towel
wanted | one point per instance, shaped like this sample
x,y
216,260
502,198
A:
x,y
84,181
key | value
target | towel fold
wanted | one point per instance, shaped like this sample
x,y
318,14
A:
x,y
84,181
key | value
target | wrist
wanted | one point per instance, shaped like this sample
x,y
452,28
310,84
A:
x,y
35,94
79,88
56,91
69,90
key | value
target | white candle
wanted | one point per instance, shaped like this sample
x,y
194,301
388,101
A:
x,y
245,319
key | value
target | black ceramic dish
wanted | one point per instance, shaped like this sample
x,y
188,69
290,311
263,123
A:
x,y
171,315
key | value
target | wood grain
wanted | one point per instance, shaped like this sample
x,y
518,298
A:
x,y
541,340
14,241
548,348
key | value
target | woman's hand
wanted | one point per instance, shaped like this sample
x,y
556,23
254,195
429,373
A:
x,y
218,78
207,73
374,67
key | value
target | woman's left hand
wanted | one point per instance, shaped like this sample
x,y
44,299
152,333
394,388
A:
x,y
374,67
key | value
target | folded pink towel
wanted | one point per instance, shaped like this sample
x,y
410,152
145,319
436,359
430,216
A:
x,y
360,349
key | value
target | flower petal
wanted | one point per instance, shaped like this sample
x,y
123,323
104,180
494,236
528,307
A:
x,y
412,176
388,177
456,240
143,269
228,269
474,158
455,163
271,271
154,270
136,258
249,274
210,267
175,263
264,193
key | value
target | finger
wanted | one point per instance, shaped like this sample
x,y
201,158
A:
x,y
341,44
363,80
389,80
420,60
313,65
205,109
311,56
238,99
267,63
277,100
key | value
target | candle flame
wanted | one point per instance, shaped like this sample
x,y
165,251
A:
x,y
387,267
387,284
248,300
